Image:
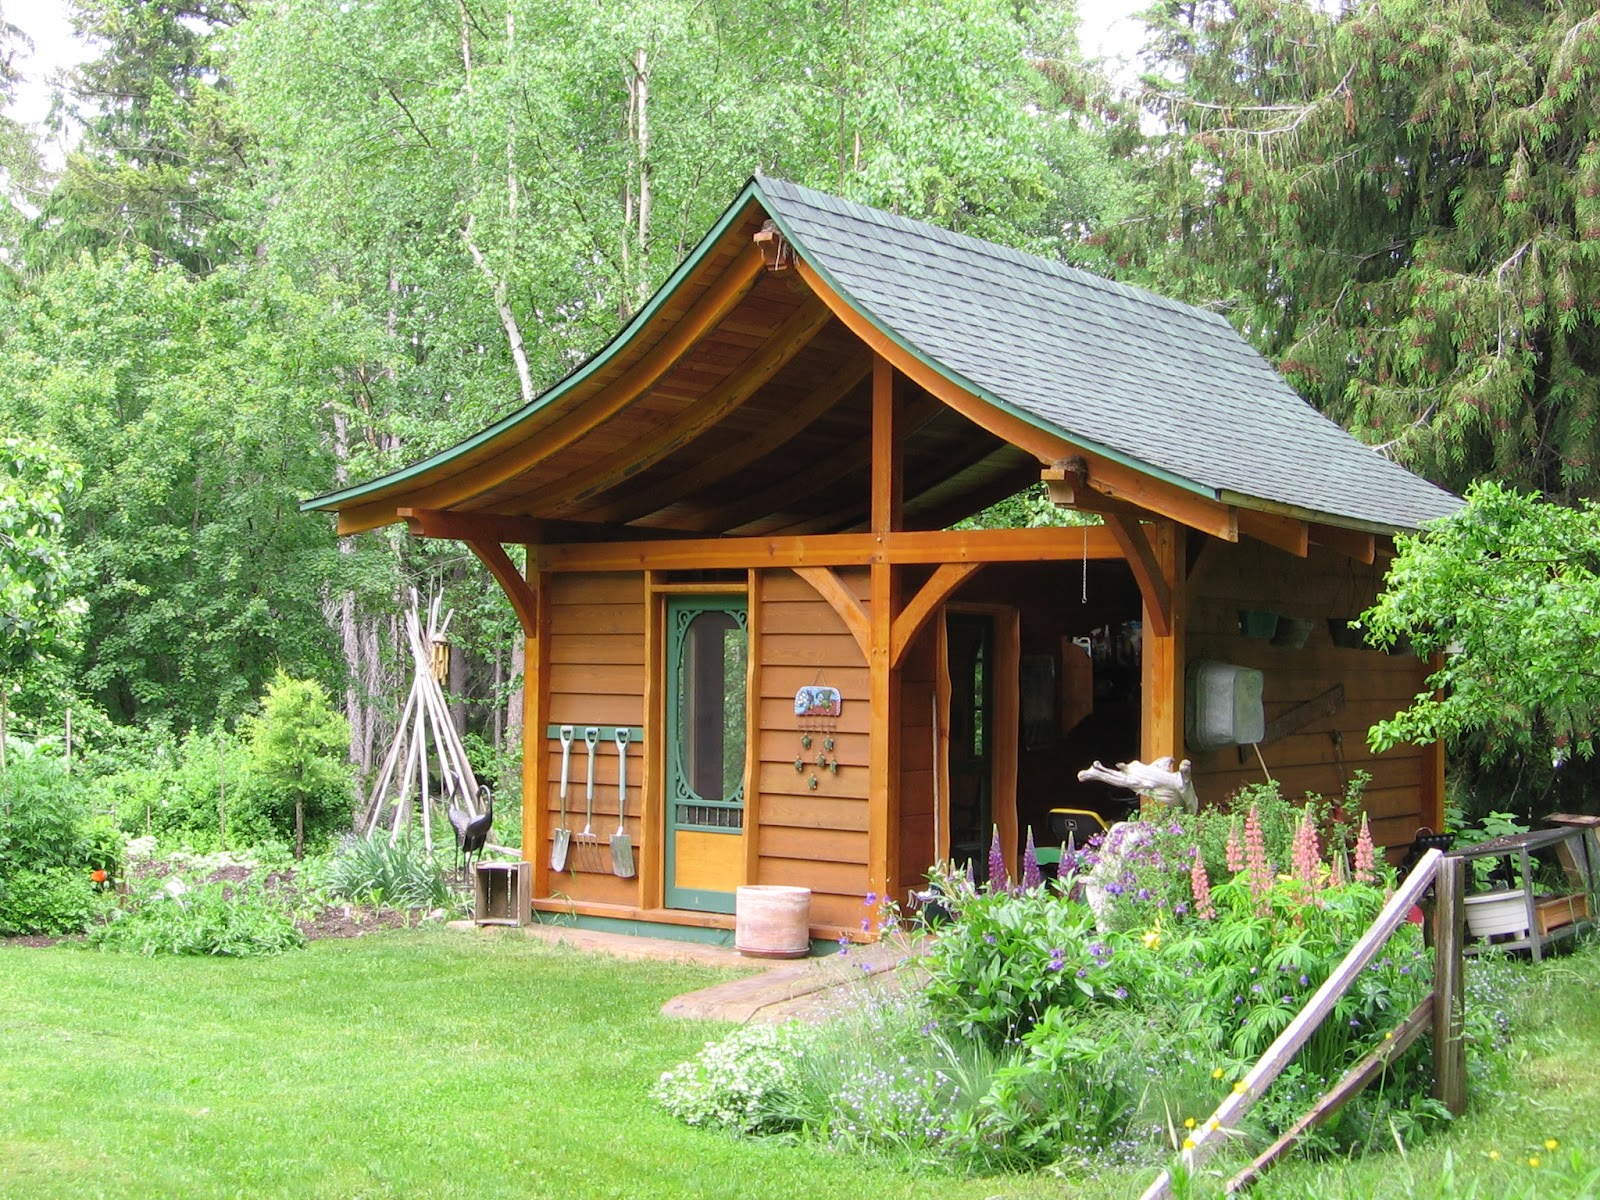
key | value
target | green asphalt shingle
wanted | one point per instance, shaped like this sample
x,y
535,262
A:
x,y
1117,368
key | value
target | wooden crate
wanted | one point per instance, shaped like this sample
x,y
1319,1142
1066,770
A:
x,y
502,893
1557,911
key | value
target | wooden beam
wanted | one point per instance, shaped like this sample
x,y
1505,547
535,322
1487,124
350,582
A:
x,y
923,547
1162,652
754,660
652,855
888,458
1349,1085
1286,533
524,600
777,351
883,773
647,499
1297,718
580,419
1352,543
925,603
843,601
469,527
1107,475
1154,585
535,746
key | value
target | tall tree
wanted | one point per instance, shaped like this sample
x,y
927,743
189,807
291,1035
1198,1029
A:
x,y
1399,202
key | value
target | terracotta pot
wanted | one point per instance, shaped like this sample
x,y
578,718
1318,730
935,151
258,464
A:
x,y
771,921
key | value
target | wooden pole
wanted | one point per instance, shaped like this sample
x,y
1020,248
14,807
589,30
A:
x,y
69,741
1449,1041
1287,1044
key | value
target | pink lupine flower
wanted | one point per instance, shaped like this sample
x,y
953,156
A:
x,y
1235,850
1336,876
1255,855
1364,854
1307,852
1200,884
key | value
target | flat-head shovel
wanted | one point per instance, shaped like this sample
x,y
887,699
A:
x,y
621,843
558,850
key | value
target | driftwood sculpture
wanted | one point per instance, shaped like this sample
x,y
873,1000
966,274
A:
x,y
1158,780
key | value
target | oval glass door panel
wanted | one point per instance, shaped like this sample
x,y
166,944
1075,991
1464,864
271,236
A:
x,y
707,668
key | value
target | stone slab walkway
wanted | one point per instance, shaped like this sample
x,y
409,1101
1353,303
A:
x,y
772,991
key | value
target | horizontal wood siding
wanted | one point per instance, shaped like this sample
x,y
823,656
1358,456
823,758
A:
x,y
597,673
813,838
1325,754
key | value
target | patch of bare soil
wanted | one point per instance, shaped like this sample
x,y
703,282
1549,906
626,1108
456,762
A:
x,y
30,940
348,921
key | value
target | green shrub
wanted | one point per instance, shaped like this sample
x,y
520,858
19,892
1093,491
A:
x,y
198,793
297,757
54,901
738,1083
399,875
226,920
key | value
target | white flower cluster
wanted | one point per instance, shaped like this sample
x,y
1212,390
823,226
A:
x,y
733,1083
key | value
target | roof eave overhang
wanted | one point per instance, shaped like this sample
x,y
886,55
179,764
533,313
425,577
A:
x,y
416,475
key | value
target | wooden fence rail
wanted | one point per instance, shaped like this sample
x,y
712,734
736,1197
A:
x,y
1442,1011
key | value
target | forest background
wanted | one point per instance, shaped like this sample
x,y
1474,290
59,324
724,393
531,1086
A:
x,y
301,242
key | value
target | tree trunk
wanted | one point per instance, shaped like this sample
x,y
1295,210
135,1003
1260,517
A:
x,y
514,702
299,827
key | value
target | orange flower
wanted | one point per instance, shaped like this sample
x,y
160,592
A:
x,y
98,876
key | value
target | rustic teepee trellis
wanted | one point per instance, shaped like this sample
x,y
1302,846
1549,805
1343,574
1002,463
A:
x,y
425,745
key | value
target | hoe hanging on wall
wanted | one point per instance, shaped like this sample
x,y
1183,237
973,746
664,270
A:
x,y
816,709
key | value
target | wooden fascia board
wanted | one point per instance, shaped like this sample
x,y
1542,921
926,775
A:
x,y
786,342
706,473
1278,508
910,620
1154,586
1286,533
843,601
1115,479
924,548
524,600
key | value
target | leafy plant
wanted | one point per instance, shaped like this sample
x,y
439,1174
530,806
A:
x,y
399,875
734,1083
297,748
52,901
224,920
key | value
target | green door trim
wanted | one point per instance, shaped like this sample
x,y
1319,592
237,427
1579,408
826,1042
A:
x,y
686,809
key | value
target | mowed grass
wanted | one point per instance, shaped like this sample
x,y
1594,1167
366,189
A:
x,y
431,1063
417,1063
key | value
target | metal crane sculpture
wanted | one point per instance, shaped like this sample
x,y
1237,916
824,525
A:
x,y
472,832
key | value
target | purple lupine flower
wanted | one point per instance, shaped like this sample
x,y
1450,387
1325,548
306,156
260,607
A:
x,y
1031,876
1305,981
1142,894
1121,993
999,877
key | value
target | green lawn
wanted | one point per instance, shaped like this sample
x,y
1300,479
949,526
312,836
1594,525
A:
x,y
432,1063
418,1063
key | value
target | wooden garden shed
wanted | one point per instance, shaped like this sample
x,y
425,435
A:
x,y
748,493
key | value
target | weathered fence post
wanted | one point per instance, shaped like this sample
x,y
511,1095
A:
x,y
1449,1042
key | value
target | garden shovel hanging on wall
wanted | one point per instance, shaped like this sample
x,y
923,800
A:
x,y
558,850
621,843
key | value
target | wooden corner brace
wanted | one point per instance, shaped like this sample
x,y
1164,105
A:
x,y
1154,586
524,600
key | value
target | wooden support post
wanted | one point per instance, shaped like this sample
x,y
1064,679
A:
x,y
1449,1003
1161,658
883,790
535,746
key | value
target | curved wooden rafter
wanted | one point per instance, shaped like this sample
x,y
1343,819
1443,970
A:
x,y
777,350
710,470
703,316
1114,479
827,584
910,620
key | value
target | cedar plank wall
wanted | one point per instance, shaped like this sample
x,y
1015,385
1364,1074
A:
x,y
815,839
1252,575
596,678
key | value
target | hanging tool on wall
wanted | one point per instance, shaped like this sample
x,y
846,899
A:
x,y
591,739
621,843
558,849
